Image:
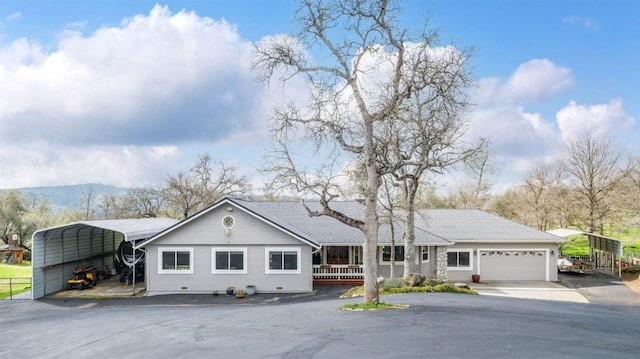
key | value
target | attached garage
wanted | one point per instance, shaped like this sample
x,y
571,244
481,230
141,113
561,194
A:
x,y
58,251
493,247
506,264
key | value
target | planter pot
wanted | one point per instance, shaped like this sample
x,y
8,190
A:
x,y
251,289
229,291
240,294
475,278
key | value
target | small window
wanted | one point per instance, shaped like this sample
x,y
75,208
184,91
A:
x,y
460,259
282,260
228,222
425,254
175,260
386,254
229,260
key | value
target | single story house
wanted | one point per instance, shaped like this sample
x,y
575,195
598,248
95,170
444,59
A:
x,y
278,247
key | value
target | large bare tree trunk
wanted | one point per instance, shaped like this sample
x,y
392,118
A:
x,y
409,233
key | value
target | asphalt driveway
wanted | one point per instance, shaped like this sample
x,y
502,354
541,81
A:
x,y
600,289
439,325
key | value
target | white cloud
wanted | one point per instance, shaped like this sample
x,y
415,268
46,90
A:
x,y
586,22
577,120
520,138
156,79
14,16
533,81
126,104
42,164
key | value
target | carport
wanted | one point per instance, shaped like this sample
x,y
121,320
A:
x,y
58,251
604,252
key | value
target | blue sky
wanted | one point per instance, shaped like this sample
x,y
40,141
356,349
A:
x,y
125,92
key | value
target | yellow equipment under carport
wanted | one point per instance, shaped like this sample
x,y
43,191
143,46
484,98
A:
x,y
83,278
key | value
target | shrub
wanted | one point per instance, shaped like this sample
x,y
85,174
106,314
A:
x,y
393,283
631,270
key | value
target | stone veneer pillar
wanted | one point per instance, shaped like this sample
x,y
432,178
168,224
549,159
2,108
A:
x,y
441,263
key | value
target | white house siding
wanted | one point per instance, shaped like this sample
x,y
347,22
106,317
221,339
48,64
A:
x,y
426,268
206,232
507,261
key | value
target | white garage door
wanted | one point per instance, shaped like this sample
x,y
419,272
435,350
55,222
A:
x,y
512,265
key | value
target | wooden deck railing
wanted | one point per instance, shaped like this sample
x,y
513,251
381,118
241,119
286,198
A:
x,y
337,272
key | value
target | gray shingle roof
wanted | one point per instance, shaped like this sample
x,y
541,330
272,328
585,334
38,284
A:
x,y
326,230
474,225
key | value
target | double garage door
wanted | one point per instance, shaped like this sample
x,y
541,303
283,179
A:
x,y
512,264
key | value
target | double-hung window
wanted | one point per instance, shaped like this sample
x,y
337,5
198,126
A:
x,y
285,260
386,254
175,260
228,260
459,259
425,254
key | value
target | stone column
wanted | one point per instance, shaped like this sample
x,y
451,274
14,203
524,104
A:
x,y
441,263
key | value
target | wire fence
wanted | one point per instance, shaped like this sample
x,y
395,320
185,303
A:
x,y
11,287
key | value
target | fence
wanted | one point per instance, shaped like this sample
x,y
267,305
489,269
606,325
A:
x,y
14,286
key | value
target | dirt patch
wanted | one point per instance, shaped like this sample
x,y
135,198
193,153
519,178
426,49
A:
x,y
632,280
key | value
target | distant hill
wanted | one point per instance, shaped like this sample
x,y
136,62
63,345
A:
x,y
69,196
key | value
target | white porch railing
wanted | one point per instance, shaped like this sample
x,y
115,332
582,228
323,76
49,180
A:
x,y
337,271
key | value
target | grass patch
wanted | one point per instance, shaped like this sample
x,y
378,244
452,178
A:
x,y
373,306
579,245
14,279
398,287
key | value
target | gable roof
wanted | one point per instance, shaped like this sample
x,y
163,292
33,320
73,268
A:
x,y
476,225
327,230
292,218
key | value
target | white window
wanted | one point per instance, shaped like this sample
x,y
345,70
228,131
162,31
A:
x,y
385,258
425,254
285,260
228,260
459,259
175,260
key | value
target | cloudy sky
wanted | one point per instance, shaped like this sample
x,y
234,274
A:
x,y
124,92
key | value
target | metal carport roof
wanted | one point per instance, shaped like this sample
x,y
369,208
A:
x,y
57,251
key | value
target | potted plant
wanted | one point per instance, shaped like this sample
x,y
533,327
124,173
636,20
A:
x,y
475,278
240,294
230,290
251,289
215,292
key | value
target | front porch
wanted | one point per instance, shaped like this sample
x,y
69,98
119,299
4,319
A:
x,y
344,264
338,274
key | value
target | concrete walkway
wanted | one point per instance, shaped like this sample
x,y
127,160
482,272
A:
x,y
541,290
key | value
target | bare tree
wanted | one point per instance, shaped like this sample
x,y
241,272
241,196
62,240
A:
x,y
541,191
146,201
216,179
474,191
88,197
631,181
427,135
182,193
107,203
388,203
370,69
594,166
203,185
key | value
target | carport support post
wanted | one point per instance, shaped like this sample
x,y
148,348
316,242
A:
x,y
133,283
